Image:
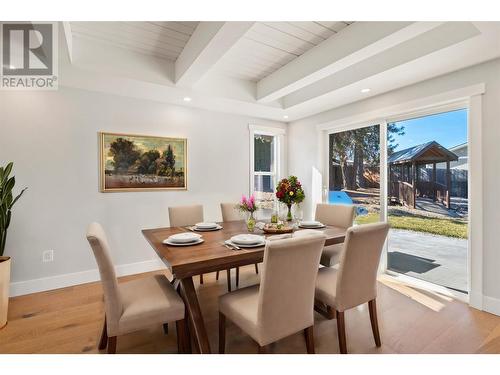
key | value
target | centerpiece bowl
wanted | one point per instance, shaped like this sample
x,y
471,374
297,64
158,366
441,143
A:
x,y
273,228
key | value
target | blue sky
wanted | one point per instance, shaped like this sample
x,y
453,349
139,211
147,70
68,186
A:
x,y
449,129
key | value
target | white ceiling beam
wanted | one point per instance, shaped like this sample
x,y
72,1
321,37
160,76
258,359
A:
x,y
351,45
439,38
68,37
209,42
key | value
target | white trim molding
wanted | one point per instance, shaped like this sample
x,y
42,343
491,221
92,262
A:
x,y
20,288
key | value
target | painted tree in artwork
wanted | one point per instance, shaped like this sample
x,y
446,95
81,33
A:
x,y
170,160
147,162
124,154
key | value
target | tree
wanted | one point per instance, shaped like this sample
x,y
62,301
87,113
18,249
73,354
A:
x,y
124,154
170,160
147,162
393,129
340,144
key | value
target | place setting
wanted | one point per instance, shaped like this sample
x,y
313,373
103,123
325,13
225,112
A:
x,y
204,227
245,241
311,224
184,239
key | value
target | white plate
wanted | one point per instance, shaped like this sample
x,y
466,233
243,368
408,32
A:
x,y
205,225
258,244
184,237
312,226
218,227
310,223
168,242
246,239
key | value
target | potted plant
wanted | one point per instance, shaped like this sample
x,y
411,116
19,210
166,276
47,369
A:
x,y
289,191
7,201
248,205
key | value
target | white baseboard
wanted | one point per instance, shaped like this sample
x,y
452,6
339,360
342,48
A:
x,y
60,281
491,305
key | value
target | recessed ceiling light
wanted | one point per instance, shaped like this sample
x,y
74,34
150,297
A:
x,y
12,67
187,99
285,117
364,91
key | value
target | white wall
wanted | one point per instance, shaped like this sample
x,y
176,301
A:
x,y
52,139
303,143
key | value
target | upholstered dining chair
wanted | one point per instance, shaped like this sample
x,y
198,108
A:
x,y
183,216
230,213
283,302
337,215
136,304
355,281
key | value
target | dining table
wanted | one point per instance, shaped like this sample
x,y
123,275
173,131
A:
x,y
211,255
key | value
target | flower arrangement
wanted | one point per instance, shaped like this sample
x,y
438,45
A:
x,y
248,205
289,191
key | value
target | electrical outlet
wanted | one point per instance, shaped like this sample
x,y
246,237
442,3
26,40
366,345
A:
x,y
48,256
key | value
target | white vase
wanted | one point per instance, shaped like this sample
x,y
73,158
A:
x,y
4,289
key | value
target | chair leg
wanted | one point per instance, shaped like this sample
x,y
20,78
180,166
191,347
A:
x,y
264,349
237,277
201,279
112,345
217,276
256,268
228,279
104,336
222,333
165,328
331,312
182,336
372,307
341,332
308,333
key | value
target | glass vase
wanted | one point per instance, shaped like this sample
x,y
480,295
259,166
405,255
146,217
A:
x,y
289,216
251,222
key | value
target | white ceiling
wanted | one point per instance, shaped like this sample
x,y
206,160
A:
x,y
268,46
281,71
161,39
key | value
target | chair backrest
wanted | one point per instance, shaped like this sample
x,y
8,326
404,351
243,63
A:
x,y
112,301
229,212
337,215
286,293
357,274
182,216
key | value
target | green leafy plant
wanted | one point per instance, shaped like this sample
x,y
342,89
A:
x,y
7,201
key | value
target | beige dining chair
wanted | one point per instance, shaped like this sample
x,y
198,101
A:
x,y
137,304
337,215
355,281
230,213
183,216
283,302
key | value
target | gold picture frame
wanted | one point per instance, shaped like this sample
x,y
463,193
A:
x,y
135,162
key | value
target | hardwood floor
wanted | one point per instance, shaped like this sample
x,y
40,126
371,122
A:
x,y
411,320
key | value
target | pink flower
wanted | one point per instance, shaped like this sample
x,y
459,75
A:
x,y
243,200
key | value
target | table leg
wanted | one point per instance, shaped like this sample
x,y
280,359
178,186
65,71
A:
x,y
193,307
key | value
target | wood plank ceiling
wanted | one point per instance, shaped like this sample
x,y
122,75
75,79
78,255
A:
x,y
160,39
265,48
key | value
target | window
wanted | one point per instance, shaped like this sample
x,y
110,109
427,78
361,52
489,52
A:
x,y
265,159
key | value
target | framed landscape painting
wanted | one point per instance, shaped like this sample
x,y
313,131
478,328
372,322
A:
x,y
140,162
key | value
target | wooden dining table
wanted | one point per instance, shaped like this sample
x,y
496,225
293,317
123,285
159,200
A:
x,y
184,262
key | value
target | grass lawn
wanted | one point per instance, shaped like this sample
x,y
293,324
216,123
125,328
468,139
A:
x,y
443,227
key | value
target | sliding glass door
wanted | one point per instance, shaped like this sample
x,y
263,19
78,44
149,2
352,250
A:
x,y
419,183
354,171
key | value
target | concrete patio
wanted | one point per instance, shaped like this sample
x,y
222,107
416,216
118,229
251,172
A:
x,y
438,259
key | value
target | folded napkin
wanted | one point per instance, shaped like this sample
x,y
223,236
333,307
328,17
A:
x,y
305,232
279,237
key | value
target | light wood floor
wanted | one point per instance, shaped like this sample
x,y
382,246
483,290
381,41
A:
x,y
411,321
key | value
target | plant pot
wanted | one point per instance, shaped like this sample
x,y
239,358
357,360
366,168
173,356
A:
x,y
4,289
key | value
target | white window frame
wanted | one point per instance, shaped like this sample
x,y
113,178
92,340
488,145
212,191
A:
x,y
467,97
279,153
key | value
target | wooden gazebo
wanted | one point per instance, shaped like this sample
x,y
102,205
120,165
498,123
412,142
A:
x,y
404,182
